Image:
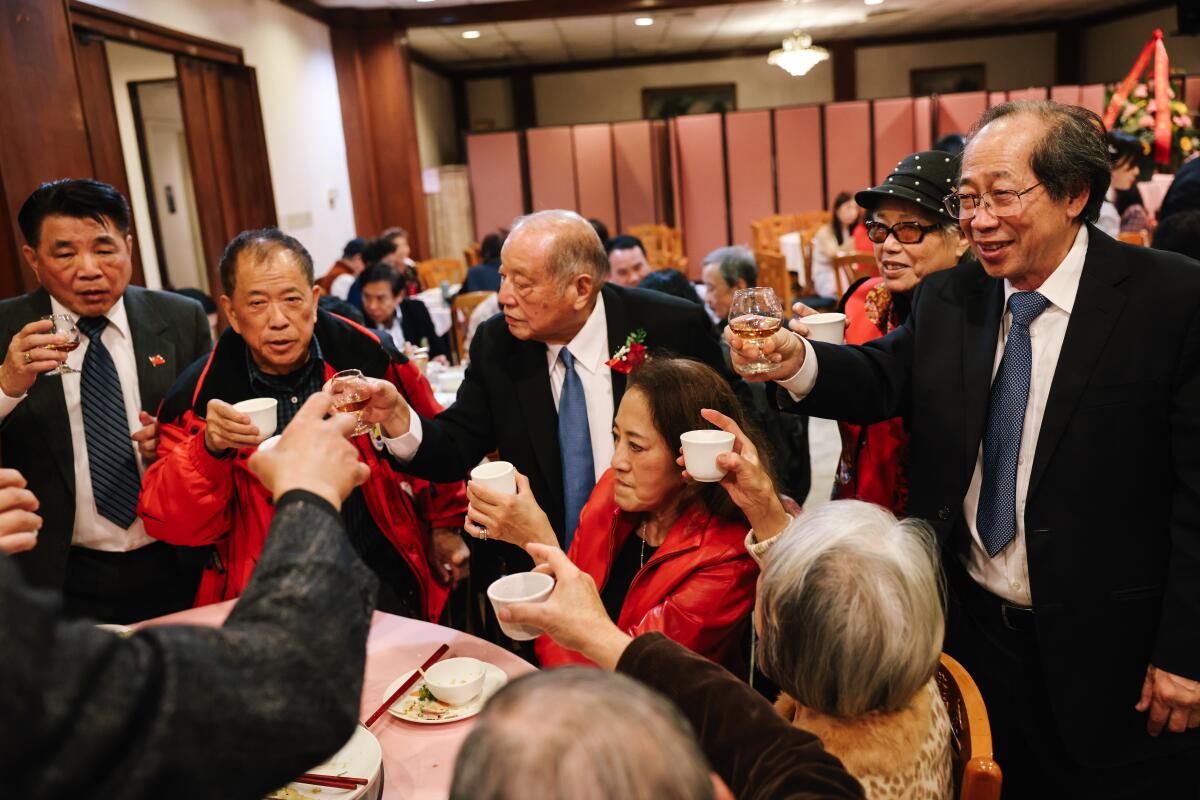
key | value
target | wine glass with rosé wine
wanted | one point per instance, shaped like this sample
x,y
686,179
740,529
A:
x,y
756,314
351,393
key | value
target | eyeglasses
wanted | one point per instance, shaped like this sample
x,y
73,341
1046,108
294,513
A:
x,y
999,203
905,232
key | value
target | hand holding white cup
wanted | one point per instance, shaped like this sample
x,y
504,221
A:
x,y
700,451
499,476
523,587
829,327
262,414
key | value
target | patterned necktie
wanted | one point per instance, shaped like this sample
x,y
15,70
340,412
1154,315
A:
x,y
575,443
996,518
111,457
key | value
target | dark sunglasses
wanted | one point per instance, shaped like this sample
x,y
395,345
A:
x,y
905,232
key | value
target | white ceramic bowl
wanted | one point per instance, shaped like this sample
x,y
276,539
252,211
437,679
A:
x,y
455,681
261,411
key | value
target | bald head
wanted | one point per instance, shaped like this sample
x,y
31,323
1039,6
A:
x,y
568,242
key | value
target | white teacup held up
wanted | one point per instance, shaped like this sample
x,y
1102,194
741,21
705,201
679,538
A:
x,y
522,587
830,327
262,414
700,451
499,476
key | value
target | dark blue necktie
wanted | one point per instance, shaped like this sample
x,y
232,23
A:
x,y
111,457
996,518
575,443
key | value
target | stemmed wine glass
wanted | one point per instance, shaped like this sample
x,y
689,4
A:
x,y
351,392
63,325
756,314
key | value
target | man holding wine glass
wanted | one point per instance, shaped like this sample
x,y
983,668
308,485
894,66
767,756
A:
x,y
87,359
280,347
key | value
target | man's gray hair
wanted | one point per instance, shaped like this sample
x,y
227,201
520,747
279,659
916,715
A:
x,y
851,607
734,263
574,249
580,734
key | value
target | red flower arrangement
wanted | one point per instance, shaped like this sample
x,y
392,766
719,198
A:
x,y
631,354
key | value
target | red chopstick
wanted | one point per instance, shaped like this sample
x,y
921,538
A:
x,y
404,687
334,778
329,783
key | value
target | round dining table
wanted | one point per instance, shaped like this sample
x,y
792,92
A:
x,y
418,760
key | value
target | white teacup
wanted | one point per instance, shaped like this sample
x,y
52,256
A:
x,y
523,587
261,411
830,328
499,476
700,451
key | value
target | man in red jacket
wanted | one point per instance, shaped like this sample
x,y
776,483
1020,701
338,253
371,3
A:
x,y
279,345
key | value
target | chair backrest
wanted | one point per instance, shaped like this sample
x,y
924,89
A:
x,y
976,775
1135,237
460,312
765,232
850,267
432,272
664,245
772,271
471,255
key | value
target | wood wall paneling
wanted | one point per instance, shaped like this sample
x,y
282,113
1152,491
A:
x,y
551,168
957,113
122,28
893,134
595,173
700,175
494,165
751,171
799,164
847,145
633,144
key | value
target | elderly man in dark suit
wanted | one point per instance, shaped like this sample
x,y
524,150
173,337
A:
x,y
82,440
185,712
543,383
1053,395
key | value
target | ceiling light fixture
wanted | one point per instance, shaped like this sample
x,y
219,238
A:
x,y
797,56
868,2
642,22
470,34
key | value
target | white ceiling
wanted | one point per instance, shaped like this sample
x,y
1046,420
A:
x,y
746,25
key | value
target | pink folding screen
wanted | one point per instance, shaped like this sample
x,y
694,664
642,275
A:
x,y
1034,93
996,98
751,178
494,170
633,150
700,175
551,168
799,170
594,173
1093,97
1191,92
847,148
1065,94
922,124
893,134
957,113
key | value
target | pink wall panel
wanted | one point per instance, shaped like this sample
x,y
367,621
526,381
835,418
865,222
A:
x,y
957,113
1033,93
551,168
847,148
922,124
594,173
996,98
1065,94
660,138
494,170
700,174
635,164
798,164
1092,97
751,178
1191,92
893,134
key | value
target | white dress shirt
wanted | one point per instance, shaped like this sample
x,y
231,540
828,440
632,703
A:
x,y
395,330
1007,575
91,529
590,348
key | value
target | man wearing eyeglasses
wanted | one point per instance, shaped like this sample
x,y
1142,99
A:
x,y
1052,393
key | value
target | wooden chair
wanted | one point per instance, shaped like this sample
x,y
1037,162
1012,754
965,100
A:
x,y
765,232
812,219
471,255
664,246
850,267
460,315
432,272
976,775
1135,237
773,272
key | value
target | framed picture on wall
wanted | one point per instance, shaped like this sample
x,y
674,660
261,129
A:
x,y
673,101
948,80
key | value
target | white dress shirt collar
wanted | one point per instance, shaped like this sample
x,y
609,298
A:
x,y
118,320
1063,284
590,345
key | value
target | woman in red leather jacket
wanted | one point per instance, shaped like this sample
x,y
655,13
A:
x,y
667,554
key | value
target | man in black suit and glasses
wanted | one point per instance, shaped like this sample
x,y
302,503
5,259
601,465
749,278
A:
x,y
1053,395
539,387
83,439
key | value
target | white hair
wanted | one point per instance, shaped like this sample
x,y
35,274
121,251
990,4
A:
x,y
575,247
851,607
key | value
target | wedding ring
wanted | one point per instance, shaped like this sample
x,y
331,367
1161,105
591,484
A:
x,y
482,533
28,358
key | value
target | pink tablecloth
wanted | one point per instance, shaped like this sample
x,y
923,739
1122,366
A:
x,y
418,760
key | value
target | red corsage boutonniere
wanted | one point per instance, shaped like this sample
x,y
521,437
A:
x,y
157,361
631,354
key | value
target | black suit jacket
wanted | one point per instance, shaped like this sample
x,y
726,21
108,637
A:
x,y
36,437
417,325
1112,515
505,402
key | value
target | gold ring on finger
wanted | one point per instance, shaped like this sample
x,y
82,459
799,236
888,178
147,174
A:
x,y
28,357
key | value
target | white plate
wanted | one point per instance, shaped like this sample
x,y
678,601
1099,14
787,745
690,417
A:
x,y
360,757
405,708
